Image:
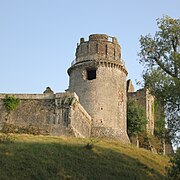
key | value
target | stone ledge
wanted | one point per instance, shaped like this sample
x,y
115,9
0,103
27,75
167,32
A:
x,y
29,96
111,64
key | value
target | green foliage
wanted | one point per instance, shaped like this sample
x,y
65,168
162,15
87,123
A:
x,y
6,138
174,170
159,121
136,119
150,142
11,103
159,127
163,49
43,157
66,101
144,141
156,143
160,56
91,144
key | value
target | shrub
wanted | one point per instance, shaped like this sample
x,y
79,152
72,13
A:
x,y
90,145
6,138
174,170
136,119
11,103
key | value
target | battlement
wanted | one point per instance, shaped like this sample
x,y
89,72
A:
x,y
102,37
96,37
98,47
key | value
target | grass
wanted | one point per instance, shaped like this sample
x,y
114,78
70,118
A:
x,y
45,157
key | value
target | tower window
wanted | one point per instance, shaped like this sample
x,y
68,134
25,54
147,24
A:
x,y
114,54
97,48
91,74
106,49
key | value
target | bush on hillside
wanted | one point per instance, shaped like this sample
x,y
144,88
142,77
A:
x,y
174,170
136,119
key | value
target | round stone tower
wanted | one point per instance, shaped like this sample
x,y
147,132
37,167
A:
x,y
98,76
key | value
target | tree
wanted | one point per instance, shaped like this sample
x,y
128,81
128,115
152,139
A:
x,y
159,121
174,170
136,119
160,55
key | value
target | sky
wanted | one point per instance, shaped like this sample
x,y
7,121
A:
x,y
38,38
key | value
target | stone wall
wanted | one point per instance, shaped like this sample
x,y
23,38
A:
x,y
99,46
146,100
53,114
98,77
130,87
80,120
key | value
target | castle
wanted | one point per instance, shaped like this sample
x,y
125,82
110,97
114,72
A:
x,y
95,103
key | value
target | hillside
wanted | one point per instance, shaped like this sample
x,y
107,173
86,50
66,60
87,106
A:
x,y
44,157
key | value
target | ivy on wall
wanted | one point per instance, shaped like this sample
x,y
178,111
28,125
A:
x,y
11,103
159,120
136,118
66,101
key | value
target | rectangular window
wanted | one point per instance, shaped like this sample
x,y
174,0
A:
x,y
91,74
106,49
97,47
114,54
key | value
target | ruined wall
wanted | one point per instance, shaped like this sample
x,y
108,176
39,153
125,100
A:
x,y
150,112
47,113
130,87
36,110
99,46
146,100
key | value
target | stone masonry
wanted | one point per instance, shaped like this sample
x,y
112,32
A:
x,y
98,77
146,100
95,103
52,114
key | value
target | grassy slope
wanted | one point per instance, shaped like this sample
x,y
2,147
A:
x,y
40,157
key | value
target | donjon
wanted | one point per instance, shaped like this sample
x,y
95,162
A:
x,y
94,105
98,77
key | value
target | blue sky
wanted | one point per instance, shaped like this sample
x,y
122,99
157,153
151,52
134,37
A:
x,y
38,37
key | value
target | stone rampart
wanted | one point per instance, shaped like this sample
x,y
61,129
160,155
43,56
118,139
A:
x,y
146,100
80,120
53,114
30,96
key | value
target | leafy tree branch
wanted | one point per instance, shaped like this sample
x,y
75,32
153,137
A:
x,y
160,56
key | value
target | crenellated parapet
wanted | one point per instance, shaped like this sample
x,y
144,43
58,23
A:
x,y
99,47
